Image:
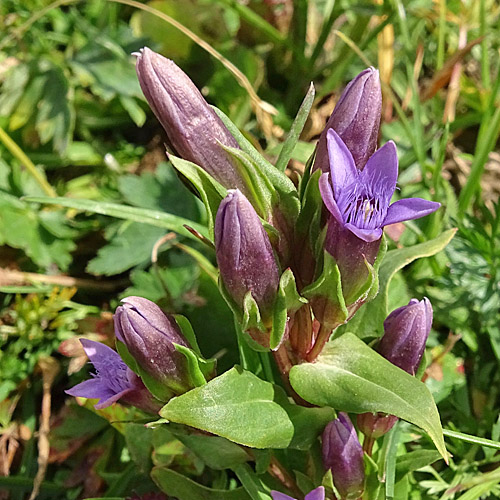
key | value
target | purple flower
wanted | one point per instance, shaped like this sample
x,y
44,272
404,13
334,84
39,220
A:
x,y
356,119
360,200
150,335
343,455
194,131
112,381
405,333
244,253
316,494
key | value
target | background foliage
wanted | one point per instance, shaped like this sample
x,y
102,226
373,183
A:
x,y
73,123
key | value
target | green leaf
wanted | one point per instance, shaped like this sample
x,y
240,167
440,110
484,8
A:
x,y
352,377
142,215
251,482
251,314
369,320
139,441
415,460
217,453
296,129
131,246
287,300
210,191
179,486
236,405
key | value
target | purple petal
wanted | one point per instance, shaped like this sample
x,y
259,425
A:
x,y
367,235
91,389
409,209
96,388
276,495
99,353
342,167
381,172
317,494
326,191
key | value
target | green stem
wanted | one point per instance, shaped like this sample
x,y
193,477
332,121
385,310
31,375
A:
x,y
19,154
472,439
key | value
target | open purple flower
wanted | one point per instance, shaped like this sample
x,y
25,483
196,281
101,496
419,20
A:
x,y
360,200
113,380
316,494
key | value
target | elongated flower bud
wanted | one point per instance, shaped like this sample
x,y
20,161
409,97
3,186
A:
x,y
405,333
343,455
194,130
150,336
356,119
244,253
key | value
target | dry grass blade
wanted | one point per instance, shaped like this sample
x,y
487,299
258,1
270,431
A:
x,y
442,77
49,368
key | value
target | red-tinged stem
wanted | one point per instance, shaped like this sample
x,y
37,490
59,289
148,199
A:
x,y
322,338
368,445
285,365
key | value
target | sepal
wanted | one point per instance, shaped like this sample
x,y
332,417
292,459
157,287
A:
x,y
325,295
287,301
210,191
199,370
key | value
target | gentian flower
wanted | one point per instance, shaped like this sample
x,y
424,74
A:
x,y
316,494
360,200
406,331
359,207
343,455
150,335
113,381
194,130
356,119
244,253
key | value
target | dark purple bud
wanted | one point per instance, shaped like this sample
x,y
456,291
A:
x,y
244,253
113,381
194,131
316,494
150,336
356,119
343,455
405,333
375,425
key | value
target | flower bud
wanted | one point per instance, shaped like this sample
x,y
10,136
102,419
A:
x,y
343,455
403,344
405,333
113,381
356,119
150,336
375,425
194,131
244,253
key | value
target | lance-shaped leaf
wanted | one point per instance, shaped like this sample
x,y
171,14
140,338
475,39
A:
x,y
352,377
296,129
143,215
